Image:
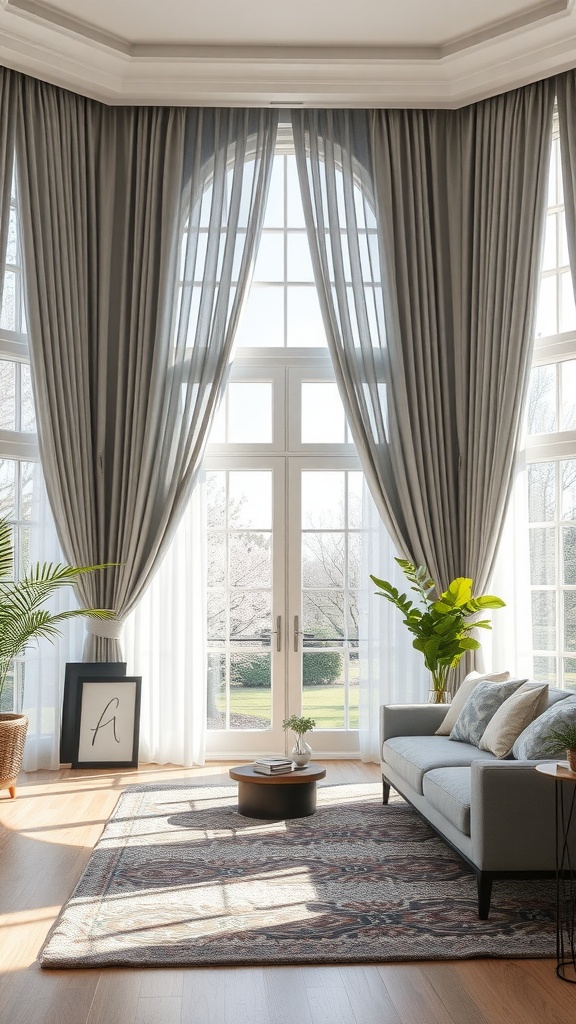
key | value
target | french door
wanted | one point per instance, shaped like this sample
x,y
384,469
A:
x,y
284,557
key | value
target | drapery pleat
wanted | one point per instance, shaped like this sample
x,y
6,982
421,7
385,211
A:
x,y
566,96
8,100
426,230
140,227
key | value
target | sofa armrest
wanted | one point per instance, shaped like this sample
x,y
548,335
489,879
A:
x,y
512,817
410,719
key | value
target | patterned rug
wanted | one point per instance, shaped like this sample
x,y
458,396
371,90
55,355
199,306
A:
x,y
180,878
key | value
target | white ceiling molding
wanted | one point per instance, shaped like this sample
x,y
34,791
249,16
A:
x,y
47,42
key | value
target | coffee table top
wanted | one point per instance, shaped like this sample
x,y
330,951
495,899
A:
x,y
311,773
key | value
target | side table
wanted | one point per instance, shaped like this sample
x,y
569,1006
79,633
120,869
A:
x,y
290,795
565,870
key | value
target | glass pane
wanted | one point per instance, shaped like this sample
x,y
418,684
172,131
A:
x,y
541,491
569,620
545,670
249,413
323,560
294,198
27,414
569,555
305,324
549,257
323,420
250,691
568,478
323,614
250,560
7,488
215,499
299,259
567,306
352,615
354,559
24,547
543,620
546,315
353,691
216,616
564,257
12,244
568,386
8,316
216,692
570,673
250,500
216,559
323,500
274,215
262,320
250,617
7,395
355,491
270,259
552,181
543,555
29,486
542,400
323,694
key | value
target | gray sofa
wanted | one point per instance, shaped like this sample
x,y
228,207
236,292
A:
x,y
499,815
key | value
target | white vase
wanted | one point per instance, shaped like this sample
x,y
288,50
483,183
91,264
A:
x,y
301,752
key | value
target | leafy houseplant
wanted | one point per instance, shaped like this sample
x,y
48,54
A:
x,y
564,738
441,626
22,619
301,752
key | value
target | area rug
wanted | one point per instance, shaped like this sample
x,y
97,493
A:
x,y
180,878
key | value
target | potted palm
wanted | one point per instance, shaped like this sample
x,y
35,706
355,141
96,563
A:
x,y
302,752
23,619
441,626
564,738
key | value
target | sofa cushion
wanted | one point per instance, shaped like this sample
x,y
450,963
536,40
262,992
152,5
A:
x,y
412,756
448,790
461,696
512,717
533,744
481,705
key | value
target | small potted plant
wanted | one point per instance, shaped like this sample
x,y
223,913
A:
x,y
301,752
441,625
564,738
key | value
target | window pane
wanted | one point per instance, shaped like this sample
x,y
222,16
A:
x,y
549,257
7,395
568,477
8,317
12,255
27,414
323,560
547,318
324,693
250,560
355,489
542,400
305,324
541,491
569,620
295,208
569,555
270,259
564,257
216,499
274,215
545,670
262,321
568,386
250,617
29,486
567,306
299,260
323,614
552,181
323,500
570,673
250,500
544,620
543,555
323,420
249,413
250,691
7,488
216,692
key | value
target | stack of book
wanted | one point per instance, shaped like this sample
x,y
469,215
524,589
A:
x,y
272,765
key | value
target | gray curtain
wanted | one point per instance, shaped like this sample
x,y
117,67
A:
x,y
140,227
426,230
566,94
8,98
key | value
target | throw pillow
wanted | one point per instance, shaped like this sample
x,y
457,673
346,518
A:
x,y
533,744
481,705
461,696
512,717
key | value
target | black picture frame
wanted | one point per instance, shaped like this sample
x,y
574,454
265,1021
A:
x,y
75,669
107,722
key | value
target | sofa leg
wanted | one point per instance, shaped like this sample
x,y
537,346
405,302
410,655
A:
x,y
385,791
484,883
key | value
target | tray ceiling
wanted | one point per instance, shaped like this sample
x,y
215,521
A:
x,y
328,53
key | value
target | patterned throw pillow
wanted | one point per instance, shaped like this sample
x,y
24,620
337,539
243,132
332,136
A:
x,y
533,744
512,717
482,703
461,696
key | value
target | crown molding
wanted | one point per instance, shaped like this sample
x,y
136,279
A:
x,y
111,70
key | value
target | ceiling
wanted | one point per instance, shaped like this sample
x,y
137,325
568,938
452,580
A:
x,y
363,53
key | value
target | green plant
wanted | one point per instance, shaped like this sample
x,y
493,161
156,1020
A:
x,y
563,738
298,725
442,626
22,618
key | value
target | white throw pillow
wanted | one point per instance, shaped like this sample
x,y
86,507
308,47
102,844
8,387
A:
x,y
461,696
512,717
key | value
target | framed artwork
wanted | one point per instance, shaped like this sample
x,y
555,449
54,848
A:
x,y
107,722
75,669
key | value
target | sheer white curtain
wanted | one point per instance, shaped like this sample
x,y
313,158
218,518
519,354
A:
x,y
391,671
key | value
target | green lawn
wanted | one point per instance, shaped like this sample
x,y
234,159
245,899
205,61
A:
x,y
324,703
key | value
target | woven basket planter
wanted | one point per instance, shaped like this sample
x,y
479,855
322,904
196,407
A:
x,y
13,729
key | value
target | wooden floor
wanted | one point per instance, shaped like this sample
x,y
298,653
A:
x,y
46,835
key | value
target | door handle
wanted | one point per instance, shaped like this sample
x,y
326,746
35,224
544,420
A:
x,y
278,632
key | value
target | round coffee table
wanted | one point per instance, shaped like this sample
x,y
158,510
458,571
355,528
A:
x,y
292,795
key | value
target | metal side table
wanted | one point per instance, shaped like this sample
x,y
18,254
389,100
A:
x,y
565,870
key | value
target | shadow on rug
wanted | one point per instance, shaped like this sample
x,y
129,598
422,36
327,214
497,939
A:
x,y
179,878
